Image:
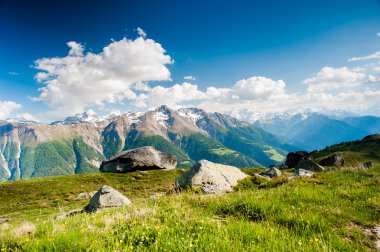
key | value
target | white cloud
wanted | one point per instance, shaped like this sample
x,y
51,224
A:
x,y
174,96
372,56
329,78
378,34
7,107
82,80
13,73
190,78
27,117
141,32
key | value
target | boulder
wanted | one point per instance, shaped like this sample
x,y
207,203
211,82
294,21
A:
x,y
333,160
271,173
309,165
210,177
144,158
303,173
367,165
107,197
293,158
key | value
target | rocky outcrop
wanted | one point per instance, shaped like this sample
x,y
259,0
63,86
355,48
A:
x,y
333,160
70,214
107,197
303,173
293,158
310,166
144,158
210,177
271,173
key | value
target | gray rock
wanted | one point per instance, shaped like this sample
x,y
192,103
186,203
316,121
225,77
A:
x,y
82,196
107,197
210,177
303,173
271,173
333,160
71,213
367,165
257,175
157,195
309,165
144,158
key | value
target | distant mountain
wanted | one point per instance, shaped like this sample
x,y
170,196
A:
x,y
370,124
79,143
315,131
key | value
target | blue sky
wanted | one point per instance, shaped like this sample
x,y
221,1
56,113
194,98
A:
x,y
278,50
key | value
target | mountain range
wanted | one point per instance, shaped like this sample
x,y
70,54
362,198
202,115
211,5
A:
x,y
316,131
79,143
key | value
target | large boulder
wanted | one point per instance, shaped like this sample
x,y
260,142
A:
x,y
210,177
309,165
293,158
271,173
333,160
107,197
144,158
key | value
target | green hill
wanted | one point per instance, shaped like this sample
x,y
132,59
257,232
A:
x,y
335,211
354,152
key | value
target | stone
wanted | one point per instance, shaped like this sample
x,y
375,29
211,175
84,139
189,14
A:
x,y
107,197
367,165
303,173
92,193
211,178
82,196
157,195
71,213
139,159
310,166
293,158
333,160
271,173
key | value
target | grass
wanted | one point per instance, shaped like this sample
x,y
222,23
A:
x,y
330,212
274,155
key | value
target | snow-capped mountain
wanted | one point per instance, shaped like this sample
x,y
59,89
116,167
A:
x,y
79,143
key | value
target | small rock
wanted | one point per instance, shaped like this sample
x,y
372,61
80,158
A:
x,y
303,173
91,194
333,160
367,165
156,195
71,213
82,196
210,177
107,197
257,175
310,166
271,173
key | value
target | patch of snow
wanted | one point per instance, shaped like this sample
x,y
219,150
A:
x,y
191,114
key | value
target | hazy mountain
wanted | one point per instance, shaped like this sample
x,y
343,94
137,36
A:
x,y
316,131
370,124
79,143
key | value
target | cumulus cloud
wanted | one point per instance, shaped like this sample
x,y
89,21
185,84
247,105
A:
x,y
329,78
190,78
141,32
372,56
7,107
81,80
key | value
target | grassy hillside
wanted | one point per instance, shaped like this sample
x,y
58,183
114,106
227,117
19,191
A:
x,y
355,152
332,212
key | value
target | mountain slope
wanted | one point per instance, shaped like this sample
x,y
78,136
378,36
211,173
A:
x,y
370,124
79,143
